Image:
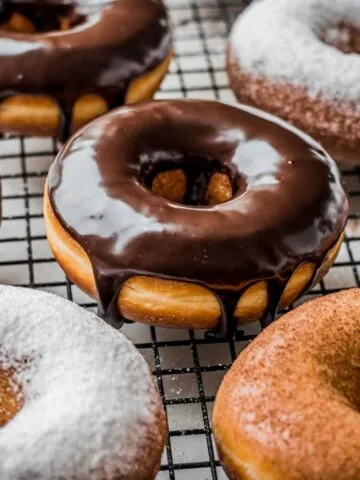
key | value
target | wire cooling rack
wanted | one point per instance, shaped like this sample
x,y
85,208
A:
x,y
188,368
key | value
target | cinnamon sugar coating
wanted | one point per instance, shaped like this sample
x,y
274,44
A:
x,y
289,406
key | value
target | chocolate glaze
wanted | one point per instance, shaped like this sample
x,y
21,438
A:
x,y
288,204
45,15
108,46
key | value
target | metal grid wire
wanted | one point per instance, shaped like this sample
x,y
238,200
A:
x,y
188,368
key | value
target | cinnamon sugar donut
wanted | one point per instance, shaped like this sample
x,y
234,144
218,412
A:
x,y
64,62
289,406
76,398
193,214
300,59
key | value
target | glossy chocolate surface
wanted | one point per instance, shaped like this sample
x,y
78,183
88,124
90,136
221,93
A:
x,y
108,45
288,204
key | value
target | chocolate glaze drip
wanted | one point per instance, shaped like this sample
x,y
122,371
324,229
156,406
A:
x,y
106,47
288,204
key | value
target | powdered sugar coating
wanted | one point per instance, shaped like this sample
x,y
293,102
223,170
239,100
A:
x,y
90,406
281,40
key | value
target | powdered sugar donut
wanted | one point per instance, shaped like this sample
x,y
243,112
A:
x,y
76,398
299,59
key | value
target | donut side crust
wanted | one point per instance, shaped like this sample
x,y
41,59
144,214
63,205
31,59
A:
x,y
300,377
335,125
34,115
168,302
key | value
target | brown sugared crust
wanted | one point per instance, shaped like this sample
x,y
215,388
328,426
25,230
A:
x,y
334,125
289,406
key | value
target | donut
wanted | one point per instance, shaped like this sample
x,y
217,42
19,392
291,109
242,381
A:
x,y
288,408
76,398
299,59
193,214
66,62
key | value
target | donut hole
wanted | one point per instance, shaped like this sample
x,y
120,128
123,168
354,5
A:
x,y
11,396
188,179
343,37
341,371
22,17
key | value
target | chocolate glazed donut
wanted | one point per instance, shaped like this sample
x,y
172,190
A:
x,y
101,50
287,208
